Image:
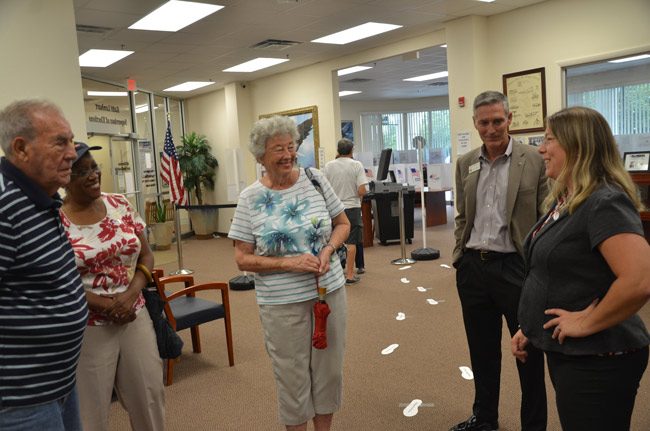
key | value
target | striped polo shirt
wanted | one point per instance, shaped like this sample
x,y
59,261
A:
x,y
43,308
289,222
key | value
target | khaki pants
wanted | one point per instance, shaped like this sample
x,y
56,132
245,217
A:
x,y
124,356
308,381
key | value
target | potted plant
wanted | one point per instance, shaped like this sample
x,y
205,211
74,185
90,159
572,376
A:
x,y
198,166
163,229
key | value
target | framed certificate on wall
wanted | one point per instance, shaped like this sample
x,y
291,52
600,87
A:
x,y
526,93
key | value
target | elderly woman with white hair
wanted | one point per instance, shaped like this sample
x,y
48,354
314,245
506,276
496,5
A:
x,y
287,232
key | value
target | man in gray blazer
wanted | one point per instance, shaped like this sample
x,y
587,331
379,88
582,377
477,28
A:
x,y
499,191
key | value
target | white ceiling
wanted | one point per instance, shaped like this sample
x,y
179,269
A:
x,y
202,50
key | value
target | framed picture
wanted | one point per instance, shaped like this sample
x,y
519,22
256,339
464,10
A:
x,y
536,140
526,93
638,161
308,143
347,130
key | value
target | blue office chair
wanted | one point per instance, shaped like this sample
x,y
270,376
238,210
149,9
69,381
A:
x,y
184,310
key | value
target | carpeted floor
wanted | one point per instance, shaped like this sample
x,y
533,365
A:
x,y
207,394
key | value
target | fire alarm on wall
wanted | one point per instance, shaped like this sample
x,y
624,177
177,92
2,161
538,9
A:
x,y
461,101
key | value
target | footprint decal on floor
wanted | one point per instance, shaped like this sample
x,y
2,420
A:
x,y
400,316
421,289
390,349
404,267
404,280
444,265
412,409
466,373
432,301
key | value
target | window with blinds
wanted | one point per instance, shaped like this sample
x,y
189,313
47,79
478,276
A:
x,y
396,130
620,91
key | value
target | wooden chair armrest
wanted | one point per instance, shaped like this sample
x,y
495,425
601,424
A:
x,y
191,290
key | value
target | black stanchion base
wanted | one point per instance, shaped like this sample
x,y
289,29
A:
x,y
242,282
425,254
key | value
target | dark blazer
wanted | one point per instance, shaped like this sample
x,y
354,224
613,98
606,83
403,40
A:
x,y
527,188
567,270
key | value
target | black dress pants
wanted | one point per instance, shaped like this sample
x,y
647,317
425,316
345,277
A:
x,y
489,287
596,393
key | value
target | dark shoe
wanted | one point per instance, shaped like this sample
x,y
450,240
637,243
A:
x,y
472,425
352,280
361,271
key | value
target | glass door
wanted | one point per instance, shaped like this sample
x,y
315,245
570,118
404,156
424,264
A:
x,y
124,166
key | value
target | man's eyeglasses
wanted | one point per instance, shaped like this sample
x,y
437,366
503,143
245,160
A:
x,y
87,172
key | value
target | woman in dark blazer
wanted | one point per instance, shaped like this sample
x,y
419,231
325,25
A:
x,y
588,273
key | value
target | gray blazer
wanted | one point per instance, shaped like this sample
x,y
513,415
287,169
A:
x,y
527,188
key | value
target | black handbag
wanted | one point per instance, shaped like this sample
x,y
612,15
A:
x,y
342,251
169,342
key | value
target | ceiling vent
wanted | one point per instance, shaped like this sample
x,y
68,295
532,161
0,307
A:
x,y
275,44
357,80
92,29
438,84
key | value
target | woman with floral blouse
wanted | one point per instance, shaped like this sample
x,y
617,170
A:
x,y
113,257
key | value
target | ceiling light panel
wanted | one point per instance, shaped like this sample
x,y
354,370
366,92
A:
x,y
348,93
428,77
189,86
353,69
357,33
175,15
101,57
107,93
256,64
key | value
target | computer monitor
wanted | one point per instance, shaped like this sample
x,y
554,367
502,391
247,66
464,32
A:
x,y
384,163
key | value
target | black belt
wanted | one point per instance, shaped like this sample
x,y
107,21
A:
x,y
487,254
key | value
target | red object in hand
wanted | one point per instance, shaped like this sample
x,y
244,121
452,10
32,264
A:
x,y
321,311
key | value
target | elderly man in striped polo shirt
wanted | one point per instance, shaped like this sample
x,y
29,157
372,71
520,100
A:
x,y
43,309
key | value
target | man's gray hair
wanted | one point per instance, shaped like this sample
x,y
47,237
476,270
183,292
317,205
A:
x,y
17,119
490,98
266,128
344,147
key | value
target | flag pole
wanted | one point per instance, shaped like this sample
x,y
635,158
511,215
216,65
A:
x,y
179,247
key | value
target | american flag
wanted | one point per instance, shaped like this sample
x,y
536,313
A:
x,y
171,170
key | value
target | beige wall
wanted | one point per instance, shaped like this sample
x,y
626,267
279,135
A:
x,y
39,50
551,34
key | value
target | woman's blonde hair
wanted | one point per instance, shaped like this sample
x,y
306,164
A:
x,y
592,157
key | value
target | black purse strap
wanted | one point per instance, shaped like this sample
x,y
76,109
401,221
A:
x,y
315,182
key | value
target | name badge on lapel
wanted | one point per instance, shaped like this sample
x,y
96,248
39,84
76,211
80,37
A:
x,y
475,167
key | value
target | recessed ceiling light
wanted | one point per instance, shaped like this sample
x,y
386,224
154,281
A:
x,y
175,15
486,1
634,58
107,93
348,92
428,77
101,57
353,69
357,33
189,86
256,64
443,45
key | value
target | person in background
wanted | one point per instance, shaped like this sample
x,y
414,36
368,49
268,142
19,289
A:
x,y
500,188
588,274
114,260
348,180
43,311
287,233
